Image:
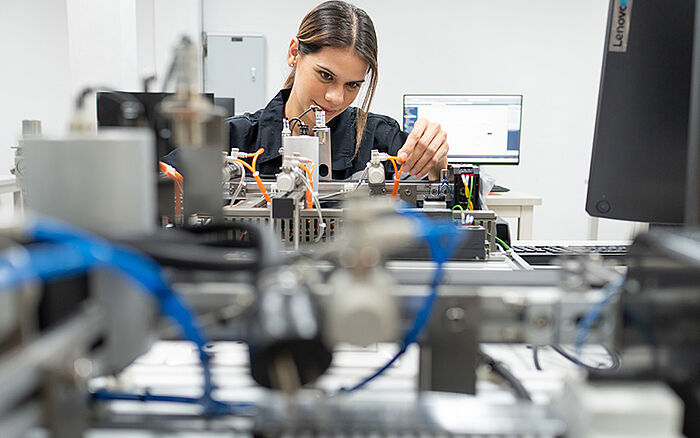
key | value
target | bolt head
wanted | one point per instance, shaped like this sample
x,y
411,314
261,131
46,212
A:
x,y
455,313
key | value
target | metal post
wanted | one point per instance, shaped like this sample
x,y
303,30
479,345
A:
x,y
448,354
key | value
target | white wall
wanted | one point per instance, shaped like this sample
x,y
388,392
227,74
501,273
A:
x,y
53,48
35,77
104,58
160,24
548,50
173,19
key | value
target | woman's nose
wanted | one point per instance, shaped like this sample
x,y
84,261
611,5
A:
x,y
334,95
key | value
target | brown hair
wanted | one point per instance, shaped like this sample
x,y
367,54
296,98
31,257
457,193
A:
x,y
340,24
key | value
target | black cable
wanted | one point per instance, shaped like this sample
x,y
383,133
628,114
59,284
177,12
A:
x,y
614,358
536,356
210,247
169,75
147,82
292,123
298,118
195,256
498,368
311,108
260,237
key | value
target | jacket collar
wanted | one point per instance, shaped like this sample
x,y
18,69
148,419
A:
x,y
270,132
270,126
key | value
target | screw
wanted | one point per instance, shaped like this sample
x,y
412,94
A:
x,y
455,313
408,192
83,367
541,321
509,334
633,286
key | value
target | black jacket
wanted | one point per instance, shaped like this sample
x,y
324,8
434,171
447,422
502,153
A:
x,y
263,128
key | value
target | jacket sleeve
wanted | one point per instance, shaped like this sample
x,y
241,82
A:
x,y
243,133
388,136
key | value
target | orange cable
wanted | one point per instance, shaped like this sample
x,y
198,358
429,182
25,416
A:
x,y
255,157
397,175
309,199
247,166
255,173
173,174
256,176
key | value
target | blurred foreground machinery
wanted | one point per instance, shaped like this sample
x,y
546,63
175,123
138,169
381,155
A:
x,y
295,269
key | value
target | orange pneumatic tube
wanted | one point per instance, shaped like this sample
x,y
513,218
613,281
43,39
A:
x,y
255,173
309,199
397,175
173,174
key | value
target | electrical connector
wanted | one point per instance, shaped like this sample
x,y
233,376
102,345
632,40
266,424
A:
x,y
377,157
320,117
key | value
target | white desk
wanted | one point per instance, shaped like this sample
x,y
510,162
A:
x,y
517,209
8,184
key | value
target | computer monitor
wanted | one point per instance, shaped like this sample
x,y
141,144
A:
x,y
640,145
482,129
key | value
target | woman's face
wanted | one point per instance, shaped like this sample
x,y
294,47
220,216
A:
x,y
330,78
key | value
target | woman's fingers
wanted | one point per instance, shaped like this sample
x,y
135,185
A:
x,y
423,143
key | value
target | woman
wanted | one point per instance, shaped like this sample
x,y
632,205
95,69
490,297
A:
x,y
332,56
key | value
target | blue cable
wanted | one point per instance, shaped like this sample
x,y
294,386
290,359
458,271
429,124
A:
x,y
240,408
586,324
138,268
46,262
442,238
444,184
66,250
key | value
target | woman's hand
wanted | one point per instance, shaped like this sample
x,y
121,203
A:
x,y
425,150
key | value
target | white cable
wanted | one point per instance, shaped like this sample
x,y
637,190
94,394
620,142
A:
x,y
240,183
362,176
316,202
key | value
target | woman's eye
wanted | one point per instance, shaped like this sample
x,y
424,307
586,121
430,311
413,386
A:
x,y
354,85
325,75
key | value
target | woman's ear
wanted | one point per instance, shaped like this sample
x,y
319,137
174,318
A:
x,y
293,53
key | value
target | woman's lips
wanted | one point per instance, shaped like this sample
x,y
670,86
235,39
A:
x,y
328,112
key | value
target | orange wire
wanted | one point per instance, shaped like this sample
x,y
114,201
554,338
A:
x,y
255,173
309,199
261,187
173,174
255,157
393,163
397,175
256,176
247,166
170,171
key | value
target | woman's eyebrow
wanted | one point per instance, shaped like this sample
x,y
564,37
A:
x,y
330,72
326,69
